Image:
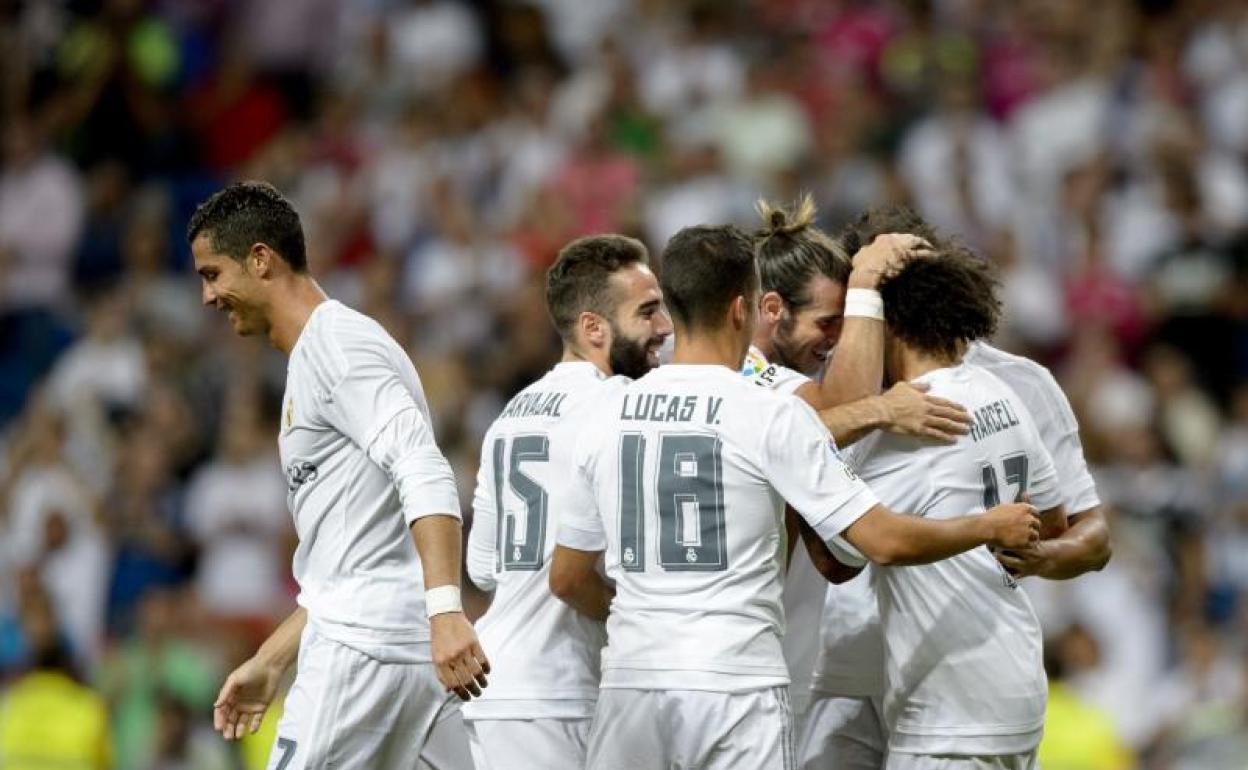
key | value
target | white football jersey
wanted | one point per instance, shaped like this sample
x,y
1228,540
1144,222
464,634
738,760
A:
x,y
358,571
850,660
545,655
962,645
684,477
1054,418
804,587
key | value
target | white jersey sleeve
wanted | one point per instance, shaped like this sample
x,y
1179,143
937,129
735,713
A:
x,y
1054,417
802,463
581,526
366,400
360,461
483,537
1044,489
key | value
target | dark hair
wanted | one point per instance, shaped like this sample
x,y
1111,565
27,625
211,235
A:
x,y
247,213
704,269
937,301
577,281
791,251
888,219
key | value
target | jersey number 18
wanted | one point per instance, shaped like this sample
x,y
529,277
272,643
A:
x,y
690,490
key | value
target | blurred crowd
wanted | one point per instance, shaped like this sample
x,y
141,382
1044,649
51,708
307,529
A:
x,y
441,152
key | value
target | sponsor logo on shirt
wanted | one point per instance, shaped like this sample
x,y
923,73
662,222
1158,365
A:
x,y
299,473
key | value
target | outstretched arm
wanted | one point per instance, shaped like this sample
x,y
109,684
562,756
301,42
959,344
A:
x,y
890,539
250,688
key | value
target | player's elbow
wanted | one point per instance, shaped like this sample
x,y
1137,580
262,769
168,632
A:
x,y
830,567
878,537
1101,553
885,554
836,573
1093,532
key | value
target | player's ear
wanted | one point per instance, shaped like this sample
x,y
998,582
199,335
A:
x,y
739,312
260,260
593,329
771,307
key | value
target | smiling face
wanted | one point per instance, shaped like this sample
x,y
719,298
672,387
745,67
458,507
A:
x,y
639,324
229,285
803,339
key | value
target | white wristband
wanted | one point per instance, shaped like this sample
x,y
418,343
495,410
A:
x,y
441,600
864,303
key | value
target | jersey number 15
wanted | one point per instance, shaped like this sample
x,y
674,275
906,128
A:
x,y
521,541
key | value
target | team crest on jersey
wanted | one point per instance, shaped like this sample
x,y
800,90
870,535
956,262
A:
x,y
629,556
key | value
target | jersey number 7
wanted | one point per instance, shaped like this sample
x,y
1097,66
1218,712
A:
x,y
689,486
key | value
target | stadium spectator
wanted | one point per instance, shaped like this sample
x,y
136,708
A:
x,y
47,717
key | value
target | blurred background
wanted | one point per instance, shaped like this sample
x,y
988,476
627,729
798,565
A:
x,y
441,152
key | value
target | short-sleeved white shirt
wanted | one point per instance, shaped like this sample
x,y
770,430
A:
x,y
358,570
545,655
684,476
962,645
851,658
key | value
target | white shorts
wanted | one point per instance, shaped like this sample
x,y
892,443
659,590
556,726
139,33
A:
x,y
529,744
899,761
350,711
843,732
692,730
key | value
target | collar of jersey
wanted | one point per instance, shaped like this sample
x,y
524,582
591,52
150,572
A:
x,y
576,366
307,326
699,369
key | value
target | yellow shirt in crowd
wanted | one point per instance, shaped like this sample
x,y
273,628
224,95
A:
x,y
1078,736
49,720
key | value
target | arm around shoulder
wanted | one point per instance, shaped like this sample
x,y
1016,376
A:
x,y
890,539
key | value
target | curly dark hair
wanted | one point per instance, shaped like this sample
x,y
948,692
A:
x,y
938,301
246,213
889,219
577,281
